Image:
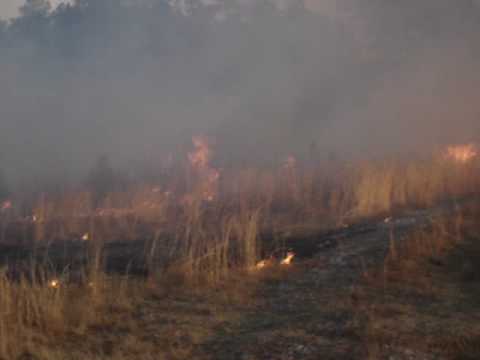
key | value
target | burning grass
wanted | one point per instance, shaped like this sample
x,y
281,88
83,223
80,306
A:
x,y
205,227
205,222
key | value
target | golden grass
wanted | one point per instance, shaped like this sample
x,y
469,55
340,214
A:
x,y
209,243
211,237
41,311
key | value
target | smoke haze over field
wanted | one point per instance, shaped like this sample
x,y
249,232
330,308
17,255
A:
x,y
135,79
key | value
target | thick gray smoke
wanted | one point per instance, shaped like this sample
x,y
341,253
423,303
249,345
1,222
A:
x,y
135,79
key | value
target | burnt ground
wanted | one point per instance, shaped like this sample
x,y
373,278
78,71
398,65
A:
x,y
322,306
314,311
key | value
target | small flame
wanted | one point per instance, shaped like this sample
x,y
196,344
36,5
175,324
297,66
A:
x,y
288,259
200,157
261,264
54,284
86,237
461,153
207,176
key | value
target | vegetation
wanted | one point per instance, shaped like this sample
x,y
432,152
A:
x,y
424,296
190,256
183,242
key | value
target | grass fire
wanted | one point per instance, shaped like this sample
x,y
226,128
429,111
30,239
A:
x,y
223,180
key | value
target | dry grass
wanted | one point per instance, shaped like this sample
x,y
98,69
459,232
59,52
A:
x,y
40,312
424,297
209,243
115,317
296,195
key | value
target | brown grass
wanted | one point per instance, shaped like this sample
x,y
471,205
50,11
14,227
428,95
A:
x,y
38,314
207,244
422,298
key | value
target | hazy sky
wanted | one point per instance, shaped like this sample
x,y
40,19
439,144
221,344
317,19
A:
x,y
9,8
351,77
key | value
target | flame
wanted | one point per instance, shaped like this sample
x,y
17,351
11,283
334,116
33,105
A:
x,y
200,157
288,259
86,237
261,264
461,153
207,176
54,284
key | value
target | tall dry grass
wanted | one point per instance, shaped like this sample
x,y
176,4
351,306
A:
x,y
39,311
211,237
200,241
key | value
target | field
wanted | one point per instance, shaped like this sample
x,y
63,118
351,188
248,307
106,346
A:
x,y
308,259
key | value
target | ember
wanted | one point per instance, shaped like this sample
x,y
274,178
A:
x,y
288,259
261,264
54,284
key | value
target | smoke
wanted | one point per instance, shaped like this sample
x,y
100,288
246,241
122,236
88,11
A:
x,y
136,79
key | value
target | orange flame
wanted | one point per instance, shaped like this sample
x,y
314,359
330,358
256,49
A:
x,y
200,157
208,177
54,284
288,259
461,153
261,264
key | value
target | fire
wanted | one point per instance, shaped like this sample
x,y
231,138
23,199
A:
x,y
288,259
207,176
200,157
266,262
54,284
461,153
86,237
261,264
